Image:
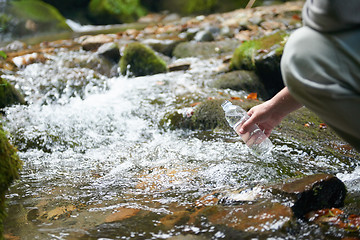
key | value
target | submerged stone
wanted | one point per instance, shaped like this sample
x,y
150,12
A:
x,y
140,60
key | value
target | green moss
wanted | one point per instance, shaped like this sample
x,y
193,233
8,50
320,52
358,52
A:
x,y
9,167
9,95
115,11
141,61
39,11
246,54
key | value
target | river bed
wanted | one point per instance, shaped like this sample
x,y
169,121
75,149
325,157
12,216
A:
x,y
92,149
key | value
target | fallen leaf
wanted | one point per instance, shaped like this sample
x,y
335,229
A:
x,y
307,125
252,96
322,126
236,98
194,104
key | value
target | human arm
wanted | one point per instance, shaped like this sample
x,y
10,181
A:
x,y
270,113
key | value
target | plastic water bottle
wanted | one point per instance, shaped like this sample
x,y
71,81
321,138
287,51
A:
x,y
255,138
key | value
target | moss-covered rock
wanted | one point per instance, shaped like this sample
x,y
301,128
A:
x,y
9,167
37,16
262,55
140,60
207,115
241,80
9,95
115,11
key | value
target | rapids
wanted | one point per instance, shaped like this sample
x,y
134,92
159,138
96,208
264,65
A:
x,y
97,146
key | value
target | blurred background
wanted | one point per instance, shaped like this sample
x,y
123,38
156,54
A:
x,y
19,18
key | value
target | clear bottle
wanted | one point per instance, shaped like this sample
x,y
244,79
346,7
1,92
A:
x,y
255,138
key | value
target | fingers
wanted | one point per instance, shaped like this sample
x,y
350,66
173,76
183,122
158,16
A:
x,y
247,124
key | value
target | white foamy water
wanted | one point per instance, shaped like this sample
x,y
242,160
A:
x,y
98,144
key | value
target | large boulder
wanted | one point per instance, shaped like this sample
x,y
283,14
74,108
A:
x,y
30,16
115,11
140,60
9,167
241,80
263,56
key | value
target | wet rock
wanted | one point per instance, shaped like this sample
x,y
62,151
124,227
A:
x,y
165,46
92,43
10,165
180,66
262,55
14,46
110,51
121,214
140,60
257,217
92,61
27,59
9,95
33,214
204,36
207,115
312,192
205,49
110,12
59,212
241,80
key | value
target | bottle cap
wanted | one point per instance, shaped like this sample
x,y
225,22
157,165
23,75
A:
x,y
226,104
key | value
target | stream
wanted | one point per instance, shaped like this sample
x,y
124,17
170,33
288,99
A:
x,y
93,148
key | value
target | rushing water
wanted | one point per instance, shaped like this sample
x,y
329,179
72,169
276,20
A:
x,y
94,145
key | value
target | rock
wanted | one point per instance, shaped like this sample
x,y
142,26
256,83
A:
x,y
59,212
205,49
264,216
165,46
33,214
110,51
262,55
180,66
140,60
241,80
36,16
204,36
92,61
312,192
92,43
207,115
9,95
110,12
15,46
121,214
10,165
24,60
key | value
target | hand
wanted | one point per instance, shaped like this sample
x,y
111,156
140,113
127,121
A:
x,y
263,116
270,113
